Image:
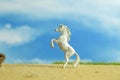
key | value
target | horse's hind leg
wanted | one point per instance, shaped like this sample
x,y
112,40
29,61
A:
x,y
77,60
67,60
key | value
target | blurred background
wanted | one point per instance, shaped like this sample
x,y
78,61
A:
x,y
27,27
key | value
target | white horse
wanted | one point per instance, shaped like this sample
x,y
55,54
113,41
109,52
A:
x,y
62,42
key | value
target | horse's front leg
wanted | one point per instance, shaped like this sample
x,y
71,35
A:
x,y
52,42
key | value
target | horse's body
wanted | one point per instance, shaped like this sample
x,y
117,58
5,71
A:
x,y
62,42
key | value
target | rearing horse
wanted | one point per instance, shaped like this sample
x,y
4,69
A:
x,y
62,42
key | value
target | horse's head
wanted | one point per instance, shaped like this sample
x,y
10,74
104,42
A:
x,y
64,29
61,28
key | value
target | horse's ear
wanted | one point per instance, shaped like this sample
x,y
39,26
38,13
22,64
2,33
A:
x,y
61,25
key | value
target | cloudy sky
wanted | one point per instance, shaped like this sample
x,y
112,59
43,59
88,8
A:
x,y
27,27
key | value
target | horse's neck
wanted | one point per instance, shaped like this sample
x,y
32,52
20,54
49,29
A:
x,y
65,35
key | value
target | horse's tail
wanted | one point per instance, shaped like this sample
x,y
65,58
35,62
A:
x,y
77,60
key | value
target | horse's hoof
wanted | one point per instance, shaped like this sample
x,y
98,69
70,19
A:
x,y
74,65
52,45
63,67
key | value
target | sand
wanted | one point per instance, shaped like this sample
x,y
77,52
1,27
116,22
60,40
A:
x,y
55,72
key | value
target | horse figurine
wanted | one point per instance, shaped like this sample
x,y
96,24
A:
x,y
62,42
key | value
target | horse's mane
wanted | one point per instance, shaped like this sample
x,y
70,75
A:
x,y
69,33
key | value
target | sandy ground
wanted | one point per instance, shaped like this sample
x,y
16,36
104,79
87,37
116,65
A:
x,y
55,72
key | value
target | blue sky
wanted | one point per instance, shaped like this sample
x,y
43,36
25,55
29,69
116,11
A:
x,y
27,27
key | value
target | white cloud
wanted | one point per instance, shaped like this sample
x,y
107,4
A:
x,y
8,26
81,60
104,12
118,60
59,7
114,54
86,60
62,8
109,54
19,35
34,60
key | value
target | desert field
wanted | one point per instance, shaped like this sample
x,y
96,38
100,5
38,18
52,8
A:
x,y
55,72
